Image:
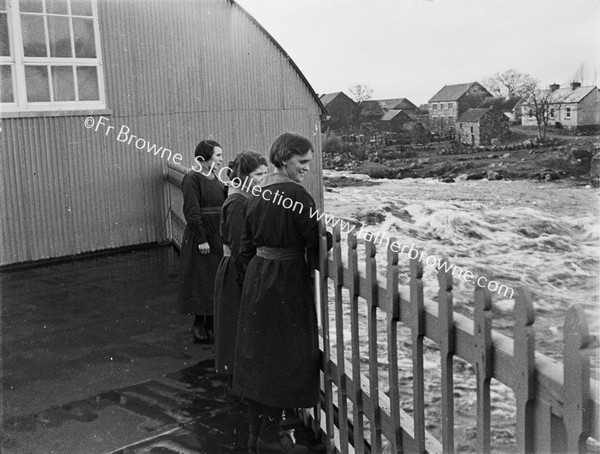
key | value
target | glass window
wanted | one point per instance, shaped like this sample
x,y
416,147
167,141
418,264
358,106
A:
x,y
83,30
6,84
60,36
36,78
57,7
87,81
34,35
63,87
4,38
59,66
568,112
81,7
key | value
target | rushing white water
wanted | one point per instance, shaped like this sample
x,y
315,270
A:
x,y
541,235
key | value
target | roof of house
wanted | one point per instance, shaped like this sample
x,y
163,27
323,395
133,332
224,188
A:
x,y
405,104
503,104
453,92
371,108
472,115
564,95
328,97
390,114
397,104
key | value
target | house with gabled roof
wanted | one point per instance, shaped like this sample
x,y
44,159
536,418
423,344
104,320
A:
x,y
397,120
451,101
510,106
372,111
478,126
397,104
573,107
341,112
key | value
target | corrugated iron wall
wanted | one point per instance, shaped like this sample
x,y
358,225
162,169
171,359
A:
x,y
176,72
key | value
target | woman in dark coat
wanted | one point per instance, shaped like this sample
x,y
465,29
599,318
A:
x,y
247,170
277,352
201,247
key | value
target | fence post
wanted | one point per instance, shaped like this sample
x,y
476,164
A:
x,y
372,299
323,279
524,355
417,327
482,340
446,316
576,383
393,316
339,342
353,290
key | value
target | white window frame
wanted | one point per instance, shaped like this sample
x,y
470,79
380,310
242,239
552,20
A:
x,y
22,107
567,113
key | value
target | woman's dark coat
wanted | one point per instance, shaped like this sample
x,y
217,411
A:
x,y
277,354
198,271
228,284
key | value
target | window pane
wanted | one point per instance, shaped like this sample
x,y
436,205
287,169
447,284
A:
x,y
57,7
34,40
60,36
36,79
6,88
2,5
81,7
31,6
85,46
4,44
62,83
87,81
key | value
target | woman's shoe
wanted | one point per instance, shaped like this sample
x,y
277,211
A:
x,y
284,445
200,335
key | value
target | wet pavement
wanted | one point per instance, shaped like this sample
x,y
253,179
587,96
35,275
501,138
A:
x,y
96,359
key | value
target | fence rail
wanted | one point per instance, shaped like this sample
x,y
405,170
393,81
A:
x,y
557,405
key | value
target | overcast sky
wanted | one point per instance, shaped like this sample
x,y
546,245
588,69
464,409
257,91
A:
x,y
411,48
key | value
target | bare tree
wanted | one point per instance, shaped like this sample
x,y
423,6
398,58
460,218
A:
x,y
361,94
509,83
538,102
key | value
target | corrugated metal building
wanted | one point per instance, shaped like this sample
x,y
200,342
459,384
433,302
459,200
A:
x,y
170,72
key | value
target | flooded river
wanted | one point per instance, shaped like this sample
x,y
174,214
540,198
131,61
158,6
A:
x,y
544,235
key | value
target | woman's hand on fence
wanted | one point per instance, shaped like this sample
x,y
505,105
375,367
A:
x,y
204,248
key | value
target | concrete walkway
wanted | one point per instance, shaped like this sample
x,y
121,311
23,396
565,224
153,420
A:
x,y
96,359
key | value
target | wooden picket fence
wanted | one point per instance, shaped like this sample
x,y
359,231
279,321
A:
x,y
557,405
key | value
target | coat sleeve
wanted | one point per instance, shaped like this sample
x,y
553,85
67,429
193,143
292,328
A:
x,y
307,226
235,232
247,247
191,208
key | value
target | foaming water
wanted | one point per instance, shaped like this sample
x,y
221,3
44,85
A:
x,y
541,235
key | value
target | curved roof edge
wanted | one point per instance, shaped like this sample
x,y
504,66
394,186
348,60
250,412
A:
x,y
285,54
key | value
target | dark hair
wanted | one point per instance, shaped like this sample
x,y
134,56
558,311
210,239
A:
x,y
287,145
245,163
205,149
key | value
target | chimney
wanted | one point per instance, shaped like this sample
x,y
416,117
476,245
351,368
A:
x,y
575,85
554,87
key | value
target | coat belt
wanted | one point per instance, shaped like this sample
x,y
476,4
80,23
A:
x,y
280,253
